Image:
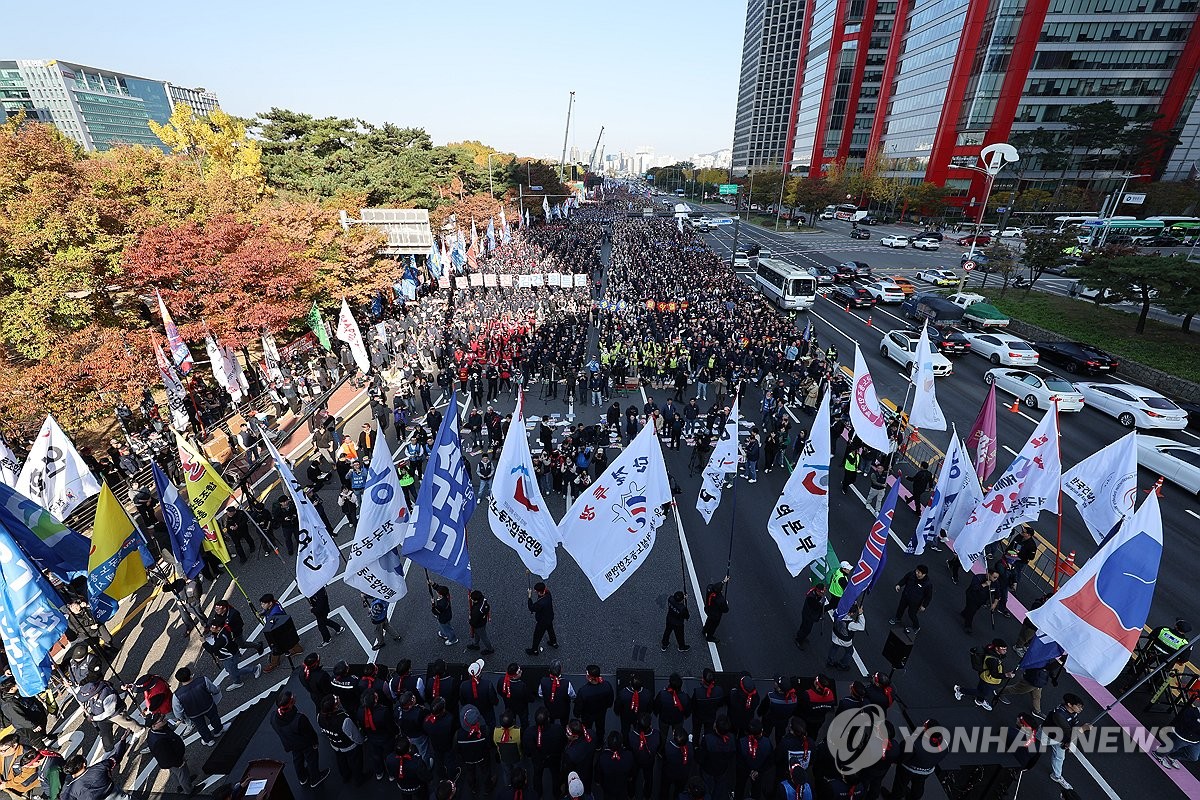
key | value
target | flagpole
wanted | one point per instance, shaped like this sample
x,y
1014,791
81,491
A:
x,y
1058,540
1104,711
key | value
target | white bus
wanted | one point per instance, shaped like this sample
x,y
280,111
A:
x,y
1068,224
788,286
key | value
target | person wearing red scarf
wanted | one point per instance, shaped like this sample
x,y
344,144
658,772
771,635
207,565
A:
x,y
679,762
473,750
644,742
633,700
408,770
480,692
614,768
816,702
513,690
439,728
543,742
579,754
594,700
718,758
379,728
780,704
755,756
707,700
743,703
344,737
556,693
671,704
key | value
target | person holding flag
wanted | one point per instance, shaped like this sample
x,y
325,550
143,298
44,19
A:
x,y
317,557
375,566
799,522
874,555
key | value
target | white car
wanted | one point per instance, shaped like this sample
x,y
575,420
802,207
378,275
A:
x,y
1003,348
826,215
926,243
1177,462
901,347
1036,388
741,259
700,223
1008,233
1134,406
894,241
938,277
885,292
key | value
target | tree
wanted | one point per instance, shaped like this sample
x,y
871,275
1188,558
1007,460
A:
x,y
999,260
764,189
1183,294
1040,149
1132,277
215,143
1172,198
1033,199
927,198
1043,251
1094,128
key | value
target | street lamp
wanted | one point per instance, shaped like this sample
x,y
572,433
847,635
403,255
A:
x,y
491,187
994,157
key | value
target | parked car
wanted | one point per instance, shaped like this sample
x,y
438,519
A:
x,y
1008,233
827,215
926,243
870,219
1133,406
855,296
1036,387
894,240
860,233
861,268
1036,230
1163,241
1077,356
885,292
950,340
931,234
826,276
901,347
1175,461
978,240
1003,348
1119,238
938,277
904,283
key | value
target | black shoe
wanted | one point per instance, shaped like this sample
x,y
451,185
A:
x,y
712,639
554,645
317,780
258,646
487,652
472,647
666,647
683,648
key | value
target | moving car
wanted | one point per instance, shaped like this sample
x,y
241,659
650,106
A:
x,y
1036,387
926,243
938,277
904,283
901,347
860,233
741,259
1008,233
1177,462
861,268
825,276
978,240
826,215
932,307
928,234
1162,241
855,296
980,259
1133,406
950,340
1077,356
885,292
1003,348
894,240
846,272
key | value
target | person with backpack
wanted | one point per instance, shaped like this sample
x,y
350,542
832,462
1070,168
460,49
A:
x,y
842,646
989,663
168,750
197,701
279,631
95,781
105,707
28,771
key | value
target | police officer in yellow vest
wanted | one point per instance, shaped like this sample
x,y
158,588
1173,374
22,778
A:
x,y
838,582
1170,643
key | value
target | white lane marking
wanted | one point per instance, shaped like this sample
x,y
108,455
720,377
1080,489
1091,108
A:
x,y
1103,784
1193,513
1009,449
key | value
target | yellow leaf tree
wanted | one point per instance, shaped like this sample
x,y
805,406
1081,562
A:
x,y
217,144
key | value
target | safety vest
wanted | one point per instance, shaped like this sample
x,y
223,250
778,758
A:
x,y
838,584
851,462
1171,640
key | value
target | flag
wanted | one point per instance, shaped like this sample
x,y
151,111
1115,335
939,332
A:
x,y
10,466
179,349
981,440
517,511
1098,614
185,533
546,207
409,282
54,475
679,224
30,622
610,529
823,568
348,332
226,368
317,557
437,538
474,235
926,413
491,234
52,546
317,325
505,233
954,479
271,356
176,395
457,257
724,459
869,423
799,523
808,330
118,560
1104,485
1029,485
526,218
207,493
375,566
473,257
1042,650
433,262
874,554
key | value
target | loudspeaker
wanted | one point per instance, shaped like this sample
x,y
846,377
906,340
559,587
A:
x,y
897,649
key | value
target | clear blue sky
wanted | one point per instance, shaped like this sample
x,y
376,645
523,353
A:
x,y
662,73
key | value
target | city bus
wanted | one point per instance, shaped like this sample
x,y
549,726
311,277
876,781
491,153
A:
x,y
848,212
1183,227
1101,230
788,286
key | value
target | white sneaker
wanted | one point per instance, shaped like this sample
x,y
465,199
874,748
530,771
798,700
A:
x,y
257,670
237,685
958,694
1061,781
984,704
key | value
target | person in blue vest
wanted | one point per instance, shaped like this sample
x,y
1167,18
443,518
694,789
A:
x,y
796,785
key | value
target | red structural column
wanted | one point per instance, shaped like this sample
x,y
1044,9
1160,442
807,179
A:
x,y
837,38
1176,94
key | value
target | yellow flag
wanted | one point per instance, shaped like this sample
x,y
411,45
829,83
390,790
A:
x,y
117,562
207,493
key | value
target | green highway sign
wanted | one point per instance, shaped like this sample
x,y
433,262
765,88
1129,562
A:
x,y
727,188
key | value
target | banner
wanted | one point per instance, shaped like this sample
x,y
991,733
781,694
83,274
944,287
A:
x,y
865,415
30,622
54,475
724,459
10,465
874,554
317,557
118,560
179,349
610,529
437,539
177,398
271,357
799,523
207,493
1104,485
51,545
375,566
506,279
926,413
581,280
182,528
317,326
953,480
349,333
981,440
517,511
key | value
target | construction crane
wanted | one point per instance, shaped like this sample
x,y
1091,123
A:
x,y
592,162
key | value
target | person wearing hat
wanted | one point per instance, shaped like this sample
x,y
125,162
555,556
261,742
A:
x,y
815,603
990,677
677,615
473,749
26,771
169,751
196,700
299,738
344,737
839,581
478,692
156,696
220,642
27,715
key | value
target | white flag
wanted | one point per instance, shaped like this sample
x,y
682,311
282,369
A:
x,y
10,466
955,480
348,332
610,529
177,398
724,459
375,565
963,508
926,413
54,475
517,512
1104,485
865,415
316,556
225,368
271,356
1029,486
799,523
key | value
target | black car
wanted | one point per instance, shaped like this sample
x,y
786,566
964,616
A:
x,y
860,233
931,235
861,268
824,275
855,296
870,219
1077,356
1120,238
1163,241
845,273
949,340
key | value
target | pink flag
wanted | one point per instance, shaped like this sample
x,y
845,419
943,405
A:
x,y
981,441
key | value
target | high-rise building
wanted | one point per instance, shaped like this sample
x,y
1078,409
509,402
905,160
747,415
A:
x,y
98,108
767,86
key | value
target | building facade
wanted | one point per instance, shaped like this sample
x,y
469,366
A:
x,y
200,100
767,85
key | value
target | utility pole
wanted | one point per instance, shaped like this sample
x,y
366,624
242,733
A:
x,y
562,162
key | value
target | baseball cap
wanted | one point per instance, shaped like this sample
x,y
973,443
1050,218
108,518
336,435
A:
x,y
845,565
574,785
475,668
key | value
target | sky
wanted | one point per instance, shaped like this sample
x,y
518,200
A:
x,y
662,73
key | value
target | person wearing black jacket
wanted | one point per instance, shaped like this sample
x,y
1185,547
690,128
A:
x,y
755,757
780,704
478,692
815,601
718,759
543,617
473,751
920,758
517,787
708,699
299,738
593,701
677,614
543,742
514,691
556,694
644,743
579,755
633,700
168,750
379,729
614,768
440,727
439,601
478,615
315,679
795,747
679,762
716,606
319,605
344,684
671,704
816,702
409,771
916,592
743,703
344,737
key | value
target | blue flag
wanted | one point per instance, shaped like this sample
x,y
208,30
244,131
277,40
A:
x,y
51,545
185,532
874,554
1042,650
30,622
433,262
437,539
377,305
491,234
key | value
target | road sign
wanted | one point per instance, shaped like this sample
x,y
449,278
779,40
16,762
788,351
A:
x,y
1002,210
968,266
727,188
535,188
1133,198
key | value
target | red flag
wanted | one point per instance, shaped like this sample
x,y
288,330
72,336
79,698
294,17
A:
x,y
981,441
